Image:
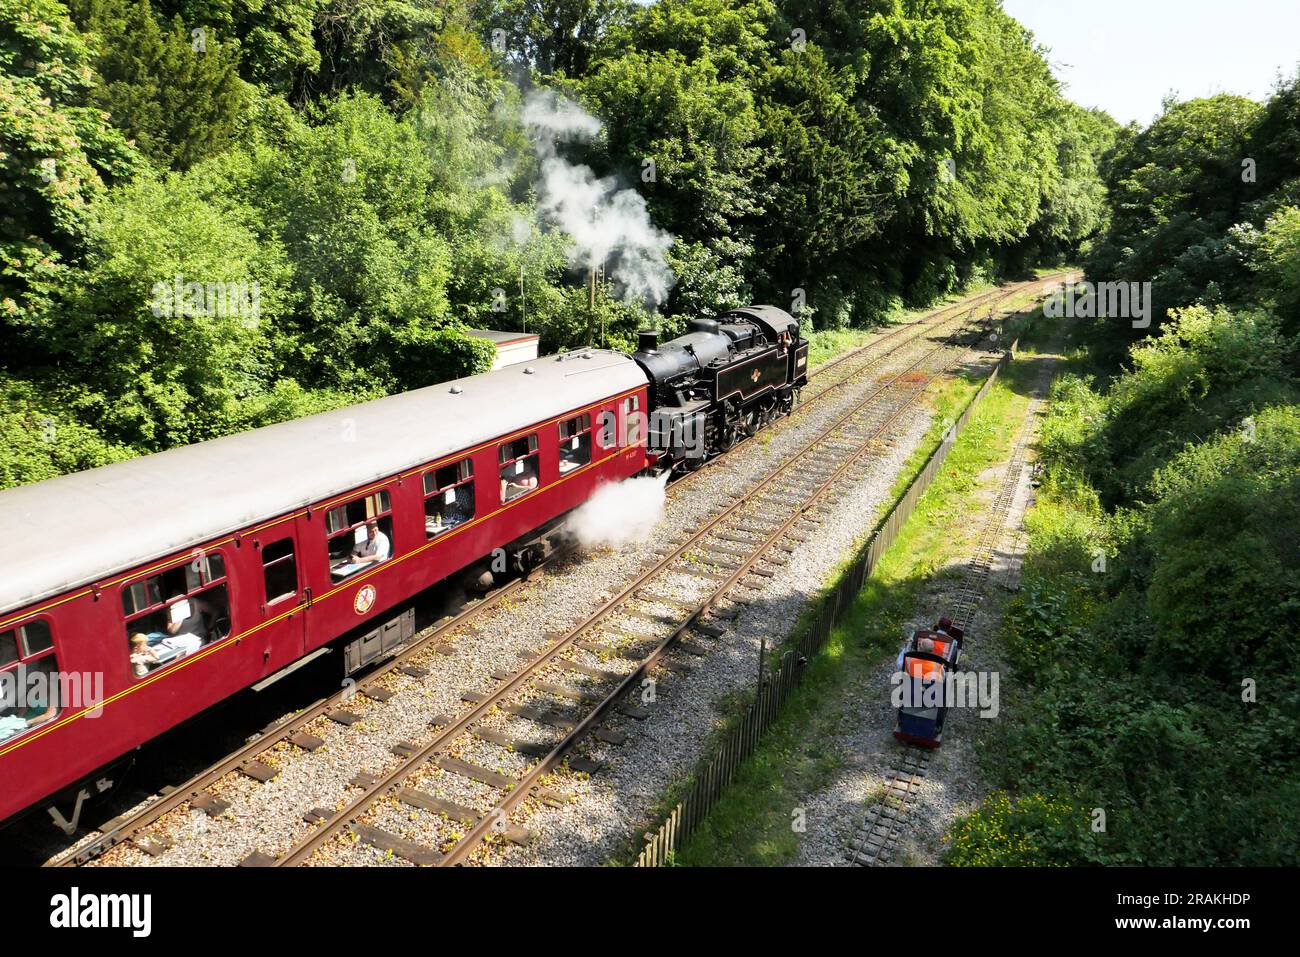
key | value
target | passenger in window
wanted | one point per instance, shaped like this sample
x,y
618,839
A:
x,y
194,624
42,704
375,549
143,658
525,481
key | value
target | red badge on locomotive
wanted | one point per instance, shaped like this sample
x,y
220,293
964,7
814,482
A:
x,y
365,599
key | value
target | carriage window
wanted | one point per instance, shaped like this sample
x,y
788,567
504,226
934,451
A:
x,y
8,647
36,638
608,426
176,612
632,421
575,442
280,571
29,679
448,497
519,472
360,535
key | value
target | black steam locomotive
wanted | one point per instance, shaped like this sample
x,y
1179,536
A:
x,y
722,381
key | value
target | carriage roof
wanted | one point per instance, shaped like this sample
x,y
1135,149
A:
x,y
70,531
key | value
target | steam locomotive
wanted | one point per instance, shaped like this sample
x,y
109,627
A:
x,y
722,381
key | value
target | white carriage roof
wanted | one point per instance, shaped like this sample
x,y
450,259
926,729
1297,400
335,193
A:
x,y
70,531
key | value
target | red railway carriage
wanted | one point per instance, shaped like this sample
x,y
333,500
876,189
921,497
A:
x,y
154,588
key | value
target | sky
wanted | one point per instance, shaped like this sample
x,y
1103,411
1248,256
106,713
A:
x,y
1126,55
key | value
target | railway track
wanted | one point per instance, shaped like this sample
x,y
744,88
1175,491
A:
x,y
989,299
875,840
249,760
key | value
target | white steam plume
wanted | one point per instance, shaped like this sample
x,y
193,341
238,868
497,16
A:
x,y
620,513
608,224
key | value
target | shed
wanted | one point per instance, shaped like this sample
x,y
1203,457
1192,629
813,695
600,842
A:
x,y
512,347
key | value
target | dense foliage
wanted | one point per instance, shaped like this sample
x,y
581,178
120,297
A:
x,y
1150,637
1204,204
217,214
354,177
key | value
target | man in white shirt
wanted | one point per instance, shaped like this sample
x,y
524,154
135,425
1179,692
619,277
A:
x,y
374,549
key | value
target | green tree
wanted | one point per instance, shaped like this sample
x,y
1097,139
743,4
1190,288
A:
x,y
841,176
1274,255
38,440
57,152
1074,206
375,46
1175,190
173,88
557,36
275,36
366,211
162,369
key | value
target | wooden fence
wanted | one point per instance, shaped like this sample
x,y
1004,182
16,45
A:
x,y
714,774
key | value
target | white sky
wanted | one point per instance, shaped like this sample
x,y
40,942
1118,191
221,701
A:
x,y
1125,55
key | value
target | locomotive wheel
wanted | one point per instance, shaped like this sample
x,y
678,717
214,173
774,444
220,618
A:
x,y
727,436
528,560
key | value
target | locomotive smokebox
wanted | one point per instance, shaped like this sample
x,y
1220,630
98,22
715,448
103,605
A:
x,y
647,340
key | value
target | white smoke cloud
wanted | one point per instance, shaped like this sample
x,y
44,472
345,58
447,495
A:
x,y
608,224
620,513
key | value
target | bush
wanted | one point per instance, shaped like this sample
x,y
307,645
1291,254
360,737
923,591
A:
x,y
37,441
1035,829
1276,258
1225,585
1126,686
1207,370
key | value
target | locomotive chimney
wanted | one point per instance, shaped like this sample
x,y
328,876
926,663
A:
x,y
647,340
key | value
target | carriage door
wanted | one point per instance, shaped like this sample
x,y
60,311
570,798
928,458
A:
x,y
283,599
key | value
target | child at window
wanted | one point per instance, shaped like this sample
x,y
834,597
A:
x,y
142,656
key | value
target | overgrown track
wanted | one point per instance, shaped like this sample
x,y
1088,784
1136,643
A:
x,y
874,841
135,827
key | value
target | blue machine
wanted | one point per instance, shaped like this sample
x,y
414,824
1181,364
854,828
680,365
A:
x,y
925,661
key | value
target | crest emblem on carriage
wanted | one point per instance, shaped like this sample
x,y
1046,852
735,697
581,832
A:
x,y
753,376
365,599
